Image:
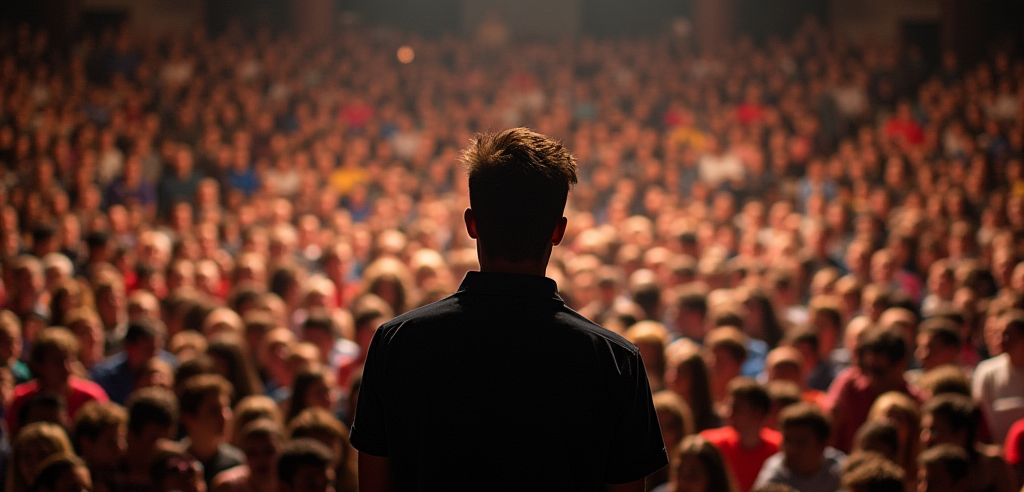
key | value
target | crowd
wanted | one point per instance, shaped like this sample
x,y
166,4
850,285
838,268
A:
x,y
817,246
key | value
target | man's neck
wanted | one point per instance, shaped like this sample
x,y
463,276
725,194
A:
x,y
749,438
526,267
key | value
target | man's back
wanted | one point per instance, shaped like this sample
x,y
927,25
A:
x,y
501,386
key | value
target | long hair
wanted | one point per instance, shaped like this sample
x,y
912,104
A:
x,y
718,473
301,387
239,368
686,362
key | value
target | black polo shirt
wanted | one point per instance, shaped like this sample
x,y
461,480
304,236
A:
x,y
502,387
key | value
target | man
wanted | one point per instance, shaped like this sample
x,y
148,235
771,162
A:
x,y
943,468
745,443
501,386
143,340
805,461
998,383
206,415
881,360
305,466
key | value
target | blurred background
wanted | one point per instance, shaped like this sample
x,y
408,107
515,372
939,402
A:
x,y
971,27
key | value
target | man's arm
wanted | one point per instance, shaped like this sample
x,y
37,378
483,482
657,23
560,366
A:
x,y
635,486
375,473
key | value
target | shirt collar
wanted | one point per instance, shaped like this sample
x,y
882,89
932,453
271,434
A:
x,y
509,284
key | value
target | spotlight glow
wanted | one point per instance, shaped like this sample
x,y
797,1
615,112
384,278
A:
x,y
406,54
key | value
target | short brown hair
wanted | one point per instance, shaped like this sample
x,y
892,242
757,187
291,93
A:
x,y
96,417
519,182
730,339
809,415
53,339
876,475
196,388
949,457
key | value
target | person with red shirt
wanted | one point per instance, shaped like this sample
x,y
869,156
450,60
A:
x,y
745,443
52,359
881,361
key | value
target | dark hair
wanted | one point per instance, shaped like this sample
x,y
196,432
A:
x,y
196,389
240,370
950,457
959,411
300,453
883,341
947,378
876,475
711,459
301,386
169,456
144,329
809,415
319,319
878,431
730,339
152,405
942,330
51,469
519,182
44,402
750,391
95,417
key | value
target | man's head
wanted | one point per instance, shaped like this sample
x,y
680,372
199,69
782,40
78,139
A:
x,y
874,475
262,440
152,415
748,404
206,407
1011,328
99,433
943,468
938,343
305,466
53,356
143,340
62,472
519,182
949,419
805,433
881,355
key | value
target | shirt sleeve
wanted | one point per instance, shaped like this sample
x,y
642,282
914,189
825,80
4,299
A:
x,y
369,427
636,447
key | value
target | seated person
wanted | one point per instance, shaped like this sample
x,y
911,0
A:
x,y
206,415
745,442
954,419
52,358
305,466
806,462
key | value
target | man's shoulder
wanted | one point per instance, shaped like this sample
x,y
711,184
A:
x,y
442,312
991,365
